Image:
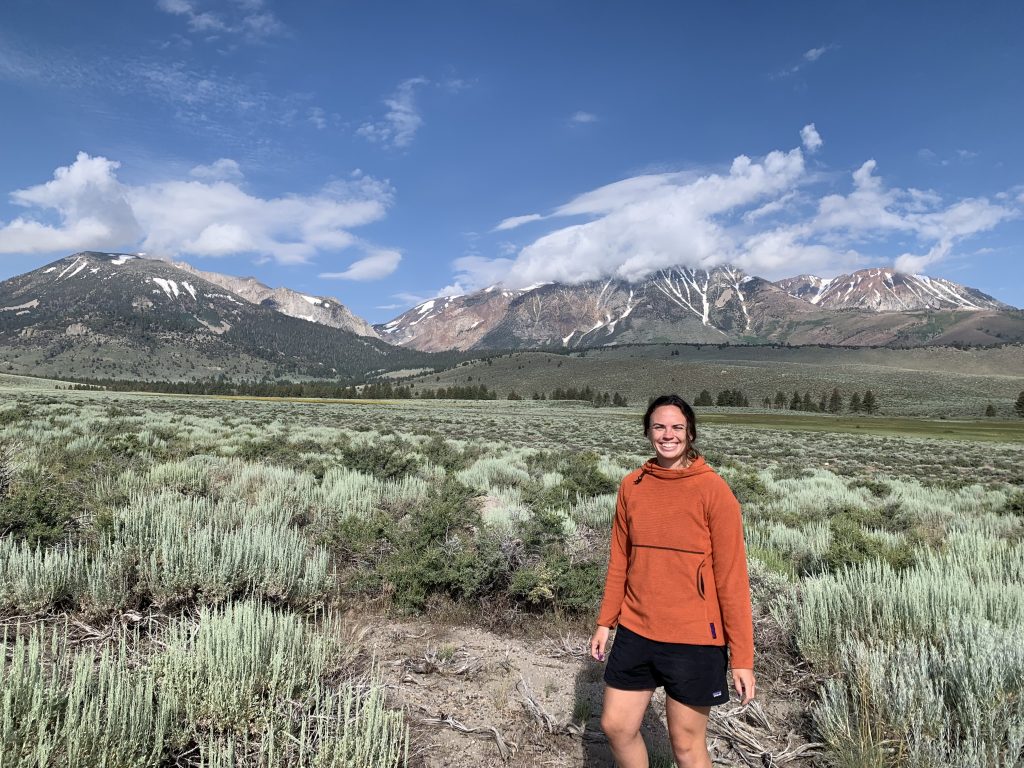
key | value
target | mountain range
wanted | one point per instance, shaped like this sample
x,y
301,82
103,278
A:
x,y
125,316
871,307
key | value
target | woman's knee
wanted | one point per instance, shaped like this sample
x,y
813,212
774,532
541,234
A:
x,y
690,753
617,727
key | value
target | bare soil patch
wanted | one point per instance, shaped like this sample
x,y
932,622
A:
x,y
475,698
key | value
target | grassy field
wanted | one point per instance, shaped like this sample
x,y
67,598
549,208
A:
x,y
948,382
988,430
178,577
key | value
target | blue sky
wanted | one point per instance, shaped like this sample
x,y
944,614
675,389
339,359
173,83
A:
x,y
385,153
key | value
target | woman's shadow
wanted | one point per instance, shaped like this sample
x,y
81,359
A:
x,y
589,695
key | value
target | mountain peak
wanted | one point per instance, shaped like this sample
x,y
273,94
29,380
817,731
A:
x,y
884,289
325,310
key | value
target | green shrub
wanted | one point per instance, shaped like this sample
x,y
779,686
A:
x,y
878,488
748,487
557,583
442,548
40,508
1015,504
850,545
15,414
442,453
388,458
581,478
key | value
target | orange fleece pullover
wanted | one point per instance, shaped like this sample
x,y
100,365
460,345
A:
x,y
678,567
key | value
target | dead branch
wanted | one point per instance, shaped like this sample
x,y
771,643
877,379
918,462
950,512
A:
x,y
505,748
731,727
534,707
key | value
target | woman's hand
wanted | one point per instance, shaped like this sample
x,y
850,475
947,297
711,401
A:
x,y
743,681
598,643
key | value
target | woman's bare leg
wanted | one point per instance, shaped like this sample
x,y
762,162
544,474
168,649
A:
x,y
688,729
621,716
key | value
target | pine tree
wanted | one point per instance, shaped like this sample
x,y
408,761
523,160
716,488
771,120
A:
x,y
766,403
780,399
806,403
1018,407
990,410
868,404
704,398
796,402
823,403
855,402
835,402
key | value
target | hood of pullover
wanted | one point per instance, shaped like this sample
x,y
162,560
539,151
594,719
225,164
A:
x,y
651,467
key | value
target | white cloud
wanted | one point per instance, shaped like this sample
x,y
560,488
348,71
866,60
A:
x,y
209,217
931,157
231,110
582,118
771,208
373,267
90,204
809,57
811,138
252,21
317,117
514,221
399,125
768,216
411,298
223,169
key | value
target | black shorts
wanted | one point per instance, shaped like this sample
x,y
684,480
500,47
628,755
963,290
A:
x,y
691,674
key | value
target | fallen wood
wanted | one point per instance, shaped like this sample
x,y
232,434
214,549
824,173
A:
x,y
505,748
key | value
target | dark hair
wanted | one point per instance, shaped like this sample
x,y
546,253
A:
x,y
688,414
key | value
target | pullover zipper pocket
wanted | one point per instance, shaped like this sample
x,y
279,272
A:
x,y
700,591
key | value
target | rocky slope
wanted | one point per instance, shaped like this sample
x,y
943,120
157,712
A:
x,y
325,310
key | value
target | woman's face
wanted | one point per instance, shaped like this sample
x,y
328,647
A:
x,y
667,434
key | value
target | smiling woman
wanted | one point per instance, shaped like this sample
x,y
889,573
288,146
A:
x,y
678,592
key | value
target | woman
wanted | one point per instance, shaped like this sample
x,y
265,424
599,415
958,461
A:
x,y
678,592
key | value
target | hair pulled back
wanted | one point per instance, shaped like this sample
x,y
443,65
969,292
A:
x,y
688,414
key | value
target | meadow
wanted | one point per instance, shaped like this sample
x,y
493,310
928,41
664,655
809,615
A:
x,y
922,382
189,581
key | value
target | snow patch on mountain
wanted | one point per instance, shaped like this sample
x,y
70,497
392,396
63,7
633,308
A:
x,y
77,265
26,306
169,286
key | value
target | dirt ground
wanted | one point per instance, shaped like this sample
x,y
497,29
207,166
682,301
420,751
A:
x,y
476,699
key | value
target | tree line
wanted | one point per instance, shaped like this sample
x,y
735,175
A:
x,y
303,389
586,394
834,403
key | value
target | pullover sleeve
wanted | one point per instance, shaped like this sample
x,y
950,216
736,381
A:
x,y
618,562
732,580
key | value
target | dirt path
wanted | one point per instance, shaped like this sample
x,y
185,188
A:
x,y
477,699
